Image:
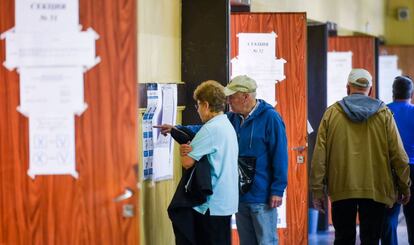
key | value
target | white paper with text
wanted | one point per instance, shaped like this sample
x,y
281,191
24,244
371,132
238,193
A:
x,y
52,145
164,145
51,90
45,16
339,67
387,71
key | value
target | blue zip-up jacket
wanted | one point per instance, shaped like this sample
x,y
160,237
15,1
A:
x,y
263,135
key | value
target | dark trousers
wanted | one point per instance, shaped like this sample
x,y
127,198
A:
x,y
212,230
389,230
371,218
409,210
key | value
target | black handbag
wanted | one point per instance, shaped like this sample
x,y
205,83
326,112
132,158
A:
x,y
247,170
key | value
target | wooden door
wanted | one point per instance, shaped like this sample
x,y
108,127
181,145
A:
x,y
363,50
59,209
291,103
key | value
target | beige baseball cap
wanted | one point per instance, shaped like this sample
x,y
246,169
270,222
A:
x,y
356,74
242,84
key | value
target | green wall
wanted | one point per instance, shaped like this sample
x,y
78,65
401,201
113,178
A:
x,y
399,32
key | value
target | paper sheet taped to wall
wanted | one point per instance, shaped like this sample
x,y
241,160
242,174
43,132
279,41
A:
x,y
339,67
258,45
52,144
153,98
45,16
51,50
51,90
164,145
158,149
257,59
387,71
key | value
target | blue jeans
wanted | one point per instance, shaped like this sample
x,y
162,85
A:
x,y
389,230
256,224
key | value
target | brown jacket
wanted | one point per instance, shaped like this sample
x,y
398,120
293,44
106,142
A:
x,y
358,159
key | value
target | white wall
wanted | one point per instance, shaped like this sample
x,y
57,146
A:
x,y
159,41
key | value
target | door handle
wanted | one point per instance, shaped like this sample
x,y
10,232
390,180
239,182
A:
x,y
299,158
128,193
299,148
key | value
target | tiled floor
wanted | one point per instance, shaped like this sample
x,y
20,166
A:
x,y
327,238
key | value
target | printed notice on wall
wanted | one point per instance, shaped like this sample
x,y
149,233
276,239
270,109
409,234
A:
x,y
57,49
164,146
257,59
388,70
259,45
153,102
47,15
51,90
339,67
158,149
52,144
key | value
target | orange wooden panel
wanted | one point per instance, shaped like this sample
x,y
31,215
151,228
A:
x,y
291,98
363,52
60,209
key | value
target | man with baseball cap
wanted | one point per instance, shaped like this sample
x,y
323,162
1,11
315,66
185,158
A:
x,y
242,84
358,155
261,136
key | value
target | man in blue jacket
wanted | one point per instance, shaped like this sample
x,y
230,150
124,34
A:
x,y
403,110
261,134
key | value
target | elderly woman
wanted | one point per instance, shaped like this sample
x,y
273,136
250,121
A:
x,y
217,140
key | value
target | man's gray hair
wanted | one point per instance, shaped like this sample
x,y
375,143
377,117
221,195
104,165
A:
x,y
253,95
